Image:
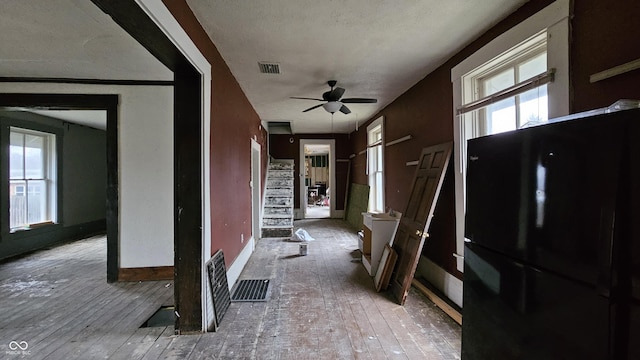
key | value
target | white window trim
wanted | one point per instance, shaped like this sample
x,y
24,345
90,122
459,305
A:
x,y
555,19
50,176
378,122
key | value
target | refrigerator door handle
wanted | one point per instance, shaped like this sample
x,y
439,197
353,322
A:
x,y
605,260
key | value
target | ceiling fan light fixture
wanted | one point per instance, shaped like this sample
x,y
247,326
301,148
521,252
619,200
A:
x,y
332,106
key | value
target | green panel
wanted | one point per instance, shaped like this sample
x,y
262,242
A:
x,y
357,203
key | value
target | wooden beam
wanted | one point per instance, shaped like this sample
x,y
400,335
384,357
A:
x,y
86,81
129,15
448,309
187,134
397,141
614,71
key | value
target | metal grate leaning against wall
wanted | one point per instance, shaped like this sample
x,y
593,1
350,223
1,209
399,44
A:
x,y
219,286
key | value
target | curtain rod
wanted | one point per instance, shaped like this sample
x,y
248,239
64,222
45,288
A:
x,y
538,80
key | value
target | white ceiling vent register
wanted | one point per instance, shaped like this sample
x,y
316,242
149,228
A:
x,y
269,68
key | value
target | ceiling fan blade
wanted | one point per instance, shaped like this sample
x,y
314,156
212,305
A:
x,y
335,94
305,98
359,101
313,107
345,110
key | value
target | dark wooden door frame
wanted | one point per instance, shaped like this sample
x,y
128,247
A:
x,y
109,103
187,158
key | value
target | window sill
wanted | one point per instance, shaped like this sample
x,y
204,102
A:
x,y
33,229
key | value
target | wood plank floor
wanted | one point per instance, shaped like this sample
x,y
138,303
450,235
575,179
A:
x,y
322,306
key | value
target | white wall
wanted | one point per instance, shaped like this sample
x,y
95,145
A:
x,y
145,154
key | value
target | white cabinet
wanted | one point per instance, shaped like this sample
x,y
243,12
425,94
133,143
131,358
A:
x,y
379,229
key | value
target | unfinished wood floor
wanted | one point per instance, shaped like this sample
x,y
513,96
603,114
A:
x,y
322,306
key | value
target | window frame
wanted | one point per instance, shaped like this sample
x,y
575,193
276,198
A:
x,y
6,123
49,176
555,20
527,50
375,176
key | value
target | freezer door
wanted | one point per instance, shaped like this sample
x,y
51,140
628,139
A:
x,y
512,311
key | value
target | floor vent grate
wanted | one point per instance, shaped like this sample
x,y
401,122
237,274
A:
x,y
251,290
269,68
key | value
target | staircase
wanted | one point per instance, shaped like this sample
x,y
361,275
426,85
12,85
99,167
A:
x,y
277,212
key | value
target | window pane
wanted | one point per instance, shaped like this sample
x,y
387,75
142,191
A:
x,y
534,106
34,157
372,159
37,202
17,204
379,192
498,82
16,155
532,67
30,198
501,116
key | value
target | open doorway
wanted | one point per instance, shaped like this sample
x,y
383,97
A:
x,y
80,209
317,161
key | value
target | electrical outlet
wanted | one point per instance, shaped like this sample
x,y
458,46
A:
x,y
242,238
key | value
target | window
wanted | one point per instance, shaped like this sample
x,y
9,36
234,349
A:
x,y
32,178
375,166
526,61
502,87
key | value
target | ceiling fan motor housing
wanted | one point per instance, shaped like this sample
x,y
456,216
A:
x,y
333,96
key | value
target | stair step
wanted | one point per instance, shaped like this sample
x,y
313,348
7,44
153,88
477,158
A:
x,y
279,192
277,216
277,233
278,227
280,166
285,211
283,183
277,211
275,174
279,201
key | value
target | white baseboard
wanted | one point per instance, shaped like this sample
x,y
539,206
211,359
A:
x,y
450,285
234,271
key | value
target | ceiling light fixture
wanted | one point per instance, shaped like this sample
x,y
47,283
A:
x,y
332,106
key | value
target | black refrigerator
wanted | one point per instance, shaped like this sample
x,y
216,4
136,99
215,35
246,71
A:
x,y
552,251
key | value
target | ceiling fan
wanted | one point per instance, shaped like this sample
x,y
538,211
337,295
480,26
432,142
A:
x,y
333,102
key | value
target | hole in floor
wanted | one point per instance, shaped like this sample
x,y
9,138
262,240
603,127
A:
x,y
165,316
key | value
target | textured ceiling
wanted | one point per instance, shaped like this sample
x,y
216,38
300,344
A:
x,y
373,48
70,39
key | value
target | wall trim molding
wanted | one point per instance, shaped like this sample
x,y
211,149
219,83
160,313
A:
x,y
10,79
145,273
448,284
234,271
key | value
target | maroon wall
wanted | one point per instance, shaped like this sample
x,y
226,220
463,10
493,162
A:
x,y
604,34
233,123
280,147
